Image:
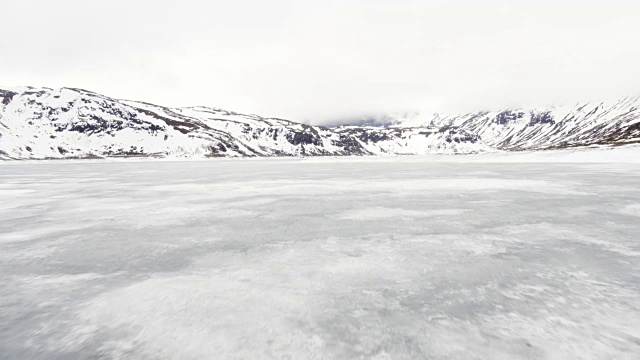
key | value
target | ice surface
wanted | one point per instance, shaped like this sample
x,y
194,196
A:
x,y
402,258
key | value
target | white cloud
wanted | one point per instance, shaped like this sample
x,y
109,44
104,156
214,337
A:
x,y
317,61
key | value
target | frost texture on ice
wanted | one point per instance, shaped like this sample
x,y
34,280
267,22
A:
x,y
320,259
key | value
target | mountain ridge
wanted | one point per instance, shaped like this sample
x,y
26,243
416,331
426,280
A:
x,y
581,124
43,123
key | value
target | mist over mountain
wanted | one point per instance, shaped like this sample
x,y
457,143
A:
x,y
364,120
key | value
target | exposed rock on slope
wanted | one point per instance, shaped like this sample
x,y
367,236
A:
x,y
38,123
606,123
69,123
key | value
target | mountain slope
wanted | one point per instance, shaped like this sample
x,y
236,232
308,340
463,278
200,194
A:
x,y
605,123
70,123
38,123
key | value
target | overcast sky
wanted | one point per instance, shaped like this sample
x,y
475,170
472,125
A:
x,y
318,61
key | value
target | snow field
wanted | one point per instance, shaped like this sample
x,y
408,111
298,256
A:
x,y
355,258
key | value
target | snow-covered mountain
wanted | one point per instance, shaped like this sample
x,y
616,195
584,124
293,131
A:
x,y
70,123
605,123
37,123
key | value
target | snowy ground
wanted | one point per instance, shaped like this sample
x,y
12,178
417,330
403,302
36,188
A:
x,y
399,258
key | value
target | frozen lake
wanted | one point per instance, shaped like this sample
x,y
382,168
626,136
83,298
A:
x,y
399,258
